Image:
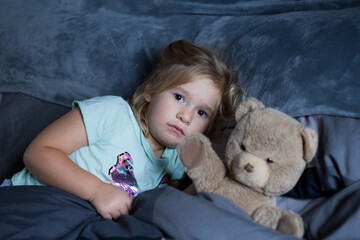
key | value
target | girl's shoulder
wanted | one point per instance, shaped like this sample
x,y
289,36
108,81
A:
x,y
103,103
105,108
105,114
108,99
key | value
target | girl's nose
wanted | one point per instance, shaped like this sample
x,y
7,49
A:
x,y
185,116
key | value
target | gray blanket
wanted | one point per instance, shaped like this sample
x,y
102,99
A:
x,y
48,213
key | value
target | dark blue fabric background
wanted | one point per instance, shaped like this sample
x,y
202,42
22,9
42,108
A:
x,y
301,57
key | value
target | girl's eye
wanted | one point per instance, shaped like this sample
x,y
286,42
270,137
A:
x,y
178,97
202,113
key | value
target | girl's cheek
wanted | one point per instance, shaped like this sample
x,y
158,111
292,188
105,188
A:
x,y
202,126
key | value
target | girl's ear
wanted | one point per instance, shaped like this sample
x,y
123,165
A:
x,y
147,95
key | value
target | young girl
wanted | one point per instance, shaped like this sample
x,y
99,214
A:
x,y
107,150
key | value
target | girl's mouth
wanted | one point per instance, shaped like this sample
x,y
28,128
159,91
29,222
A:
x,y
176,129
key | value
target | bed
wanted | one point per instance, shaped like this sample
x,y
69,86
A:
x,y
300,57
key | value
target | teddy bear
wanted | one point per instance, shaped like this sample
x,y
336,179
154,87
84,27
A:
x,y
265,156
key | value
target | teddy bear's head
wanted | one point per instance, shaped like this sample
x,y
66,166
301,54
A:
x,y
268,150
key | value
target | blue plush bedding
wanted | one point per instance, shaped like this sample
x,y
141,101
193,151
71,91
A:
x,y
301,57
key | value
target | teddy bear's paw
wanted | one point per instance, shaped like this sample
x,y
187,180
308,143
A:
x,y
201,163
291,223
192,150
267,216
281,220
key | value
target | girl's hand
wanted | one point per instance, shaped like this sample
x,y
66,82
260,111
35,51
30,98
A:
x,y
110,201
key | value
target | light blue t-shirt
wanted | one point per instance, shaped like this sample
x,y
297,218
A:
x,y
117,145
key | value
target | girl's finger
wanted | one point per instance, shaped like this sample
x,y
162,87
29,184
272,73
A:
x,y
106,215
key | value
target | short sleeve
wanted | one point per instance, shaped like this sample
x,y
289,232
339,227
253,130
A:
x,y
99,115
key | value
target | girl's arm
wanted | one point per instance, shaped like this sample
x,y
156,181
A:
x,y
47,159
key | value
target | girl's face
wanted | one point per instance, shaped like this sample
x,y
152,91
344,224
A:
x,y
180,111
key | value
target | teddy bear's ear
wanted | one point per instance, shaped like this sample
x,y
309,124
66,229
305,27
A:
x,y
310,142
246,106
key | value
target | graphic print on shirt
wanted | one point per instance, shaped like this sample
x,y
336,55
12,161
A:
x,y
164,180
122,174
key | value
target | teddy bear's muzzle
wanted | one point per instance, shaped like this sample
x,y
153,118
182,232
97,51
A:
x,y
250,170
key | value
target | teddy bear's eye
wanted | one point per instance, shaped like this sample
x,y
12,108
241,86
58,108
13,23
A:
x,y
242,146
269,160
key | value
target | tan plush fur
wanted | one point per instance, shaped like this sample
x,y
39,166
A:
x,y
265,157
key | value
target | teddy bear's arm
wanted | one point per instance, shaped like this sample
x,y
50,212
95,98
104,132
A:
x,y
284,221
201,163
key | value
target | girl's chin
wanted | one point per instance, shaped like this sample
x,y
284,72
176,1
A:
x,y
171,143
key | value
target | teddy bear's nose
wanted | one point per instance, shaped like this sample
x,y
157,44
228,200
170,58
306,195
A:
x,y
249,168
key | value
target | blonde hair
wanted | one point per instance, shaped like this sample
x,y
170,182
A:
x,y
180,63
